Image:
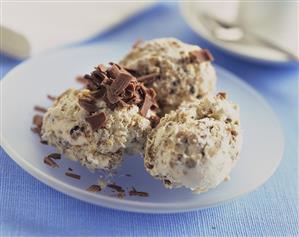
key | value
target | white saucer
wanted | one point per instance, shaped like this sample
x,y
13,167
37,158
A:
x,y
253,52
29,83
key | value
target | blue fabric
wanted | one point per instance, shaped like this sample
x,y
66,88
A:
x,y
30,208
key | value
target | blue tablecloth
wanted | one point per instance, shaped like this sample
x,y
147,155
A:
x,y
30,208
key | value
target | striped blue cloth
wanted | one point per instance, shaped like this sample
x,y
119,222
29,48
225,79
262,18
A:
x,y
30,208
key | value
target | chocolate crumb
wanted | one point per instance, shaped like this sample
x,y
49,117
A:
x,y
81,80
88,104
43,142
149,166
50,97
134,192
192,89
48,161
201,55
72,175
36,130
128,175
55,156
70,169
116,188
94,188
147,103
222,95
96,121
155,120
40,109
148,78
38,120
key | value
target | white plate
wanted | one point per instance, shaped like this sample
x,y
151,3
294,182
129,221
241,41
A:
x,y
29,83
253,52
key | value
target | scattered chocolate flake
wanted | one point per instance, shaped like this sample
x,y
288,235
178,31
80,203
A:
x,y
201,55
148,78
96,121
146,105
134,72
99,94
149,166
40,109
192,89
81,80
88,104
44,142
134,192
55,156
50,97
155,120
74,129
222,95
36,130
128,175
117,188
38,120
72,175
102,68
50,162
70,169
94,188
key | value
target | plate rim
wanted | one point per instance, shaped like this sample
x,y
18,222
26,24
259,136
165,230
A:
x,y
121,204
188,20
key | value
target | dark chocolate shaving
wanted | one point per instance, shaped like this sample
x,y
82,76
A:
x,y
94,188
88,104
72,175
155,120
118,88
38,120
201,55
222,95
51,97
81,80
36,130
44,142
50,162
134,192
96,121
146,105
40,109
55,156
148,78
116,188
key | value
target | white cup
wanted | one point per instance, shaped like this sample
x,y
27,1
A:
x,y
275,21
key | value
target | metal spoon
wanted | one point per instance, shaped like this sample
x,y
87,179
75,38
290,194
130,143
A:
x,y
230,32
